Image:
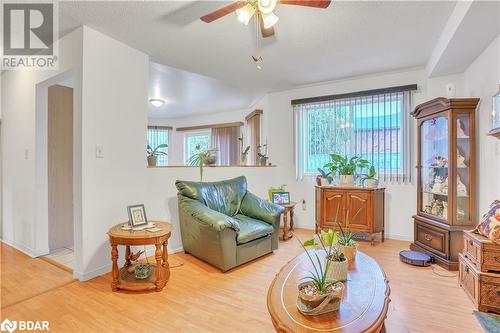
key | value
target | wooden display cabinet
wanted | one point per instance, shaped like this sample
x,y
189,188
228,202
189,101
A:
x,y
446,177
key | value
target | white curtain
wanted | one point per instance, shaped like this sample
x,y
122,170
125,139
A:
x,y
225,140
374,127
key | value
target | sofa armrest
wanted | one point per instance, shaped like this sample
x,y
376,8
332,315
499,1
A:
x,y
207,216
260,209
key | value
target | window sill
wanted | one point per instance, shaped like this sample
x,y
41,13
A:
x,y
211,166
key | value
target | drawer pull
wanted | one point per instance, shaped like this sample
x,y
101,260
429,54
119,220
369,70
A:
x,y
496,259
467,269
471,243
428,237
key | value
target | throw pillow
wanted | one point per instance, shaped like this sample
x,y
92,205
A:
x,y
490,223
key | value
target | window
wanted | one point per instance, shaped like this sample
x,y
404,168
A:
x,y
158,135
374,126
192,141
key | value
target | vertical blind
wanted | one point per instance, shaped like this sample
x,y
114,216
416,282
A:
x,y
375,127
158,135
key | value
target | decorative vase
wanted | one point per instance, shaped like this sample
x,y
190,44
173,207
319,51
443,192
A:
x,y
210,160
349,251
152,160
263,160
346,180
243,160
337,270
371,183
143,271
319,304
324,182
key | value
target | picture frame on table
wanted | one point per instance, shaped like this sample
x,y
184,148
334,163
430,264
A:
x,y
281,198
137,215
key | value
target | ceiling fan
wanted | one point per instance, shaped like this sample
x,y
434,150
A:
x,y
246,9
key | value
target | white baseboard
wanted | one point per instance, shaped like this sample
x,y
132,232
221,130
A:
x,y
21,247
399,237
107,268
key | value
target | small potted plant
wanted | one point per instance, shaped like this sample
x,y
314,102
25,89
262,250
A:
x,y
262,153
325,178
348,246
244,152
345,167
336,264
154,153
369,178
201,158
319,294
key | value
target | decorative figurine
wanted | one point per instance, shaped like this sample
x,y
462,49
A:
x,y
460,214
438,185
440,162
445,210
444,186
461,188
437,208
460,160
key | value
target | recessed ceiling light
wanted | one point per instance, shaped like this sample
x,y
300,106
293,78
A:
x,y
156,102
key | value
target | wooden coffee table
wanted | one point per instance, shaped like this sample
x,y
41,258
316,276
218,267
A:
x,y
122,279
363,308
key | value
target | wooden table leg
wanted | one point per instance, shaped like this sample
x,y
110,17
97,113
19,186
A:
x,y
383,236
165,255
285,225
115,271
127,255
159,267
372,239
292,213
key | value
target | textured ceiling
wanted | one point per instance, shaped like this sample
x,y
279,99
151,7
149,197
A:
x,y
311,45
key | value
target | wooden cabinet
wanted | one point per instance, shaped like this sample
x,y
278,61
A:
x,y
446,183
355,208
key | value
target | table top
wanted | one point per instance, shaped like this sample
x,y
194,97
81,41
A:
x,y
117,231
289,205
363,308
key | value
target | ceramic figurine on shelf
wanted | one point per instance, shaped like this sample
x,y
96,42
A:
x,y
428,208
437,208
444,214
444,186
438,185
440,162
460,214
460,132
460,160
461,188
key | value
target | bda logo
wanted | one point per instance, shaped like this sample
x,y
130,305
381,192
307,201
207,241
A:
x,y
8,325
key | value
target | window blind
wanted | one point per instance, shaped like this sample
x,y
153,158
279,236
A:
x,y
373,125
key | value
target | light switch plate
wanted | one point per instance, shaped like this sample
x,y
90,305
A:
x,y
99,151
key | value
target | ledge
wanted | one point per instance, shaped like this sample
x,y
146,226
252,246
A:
x,y
211,166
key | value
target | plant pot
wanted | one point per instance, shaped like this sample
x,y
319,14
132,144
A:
x,y
346,180
324,182
243,160
210,160
349,251
371,183
152,160
263,161
143,271
319,304
337,270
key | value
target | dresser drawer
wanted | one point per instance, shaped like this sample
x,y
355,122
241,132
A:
x,y
481,252
490,294
432,238
468,279
491,261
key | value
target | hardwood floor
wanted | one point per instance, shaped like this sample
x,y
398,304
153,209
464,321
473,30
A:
x,y
198,298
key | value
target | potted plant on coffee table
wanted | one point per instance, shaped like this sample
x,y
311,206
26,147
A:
x,y
346,167
154,153
348,246
318,294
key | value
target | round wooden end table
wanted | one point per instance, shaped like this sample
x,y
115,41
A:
x,y
363,307
122,278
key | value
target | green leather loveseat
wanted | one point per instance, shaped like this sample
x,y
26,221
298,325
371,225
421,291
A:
x,y
224,224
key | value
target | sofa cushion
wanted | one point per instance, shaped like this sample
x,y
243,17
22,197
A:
x,y
251,229
224,196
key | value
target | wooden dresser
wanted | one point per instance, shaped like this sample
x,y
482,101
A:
x,y
356,208
479,271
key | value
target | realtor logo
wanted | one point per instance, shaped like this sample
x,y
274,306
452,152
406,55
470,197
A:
x,y
8,325
29,36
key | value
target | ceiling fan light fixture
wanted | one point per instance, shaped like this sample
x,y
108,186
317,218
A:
x,y
156,102
258,60
266,6
245,13
269,20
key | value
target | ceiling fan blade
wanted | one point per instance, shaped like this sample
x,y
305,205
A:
x,y
222,12
265,32
308,3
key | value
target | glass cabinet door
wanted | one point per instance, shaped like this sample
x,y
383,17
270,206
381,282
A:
x,y
434,167
462,186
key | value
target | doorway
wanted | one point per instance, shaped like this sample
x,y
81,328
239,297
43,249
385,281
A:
x,y
60,175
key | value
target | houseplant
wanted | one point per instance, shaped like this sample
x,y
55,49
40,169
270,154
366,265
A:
x,y
262,154
336,264
348,246
153,153
345,167
244,152
325,178
201,158
369,179
318,294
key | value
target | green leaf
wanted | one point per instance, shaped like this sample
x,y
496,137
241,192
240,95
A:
x,y
310,242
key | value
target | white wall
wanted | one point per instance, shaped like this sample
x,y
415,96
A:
x,y
482,79
20,147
